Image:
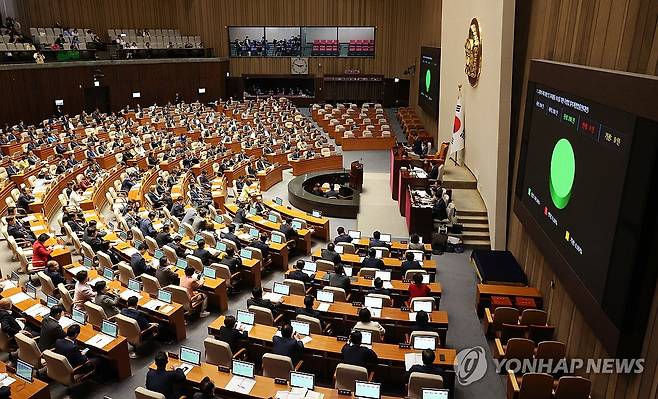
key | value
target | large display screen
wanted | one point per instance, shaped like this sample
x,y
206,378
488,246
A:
x,y
428,79
575,167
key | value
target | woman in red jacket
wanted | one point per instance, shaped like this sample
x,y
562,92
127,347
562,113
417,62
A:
x,y
40,253
417,288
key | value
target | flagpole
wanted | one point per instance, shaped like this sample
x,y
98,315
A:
x,y
459,94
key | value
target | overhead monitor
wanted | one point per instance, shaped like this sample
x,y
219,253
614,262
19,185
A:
x,y
428,79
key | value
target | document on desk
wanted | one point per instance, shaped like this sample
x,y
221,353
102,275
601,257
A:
x,y
29,218
152,304
58,246
6,380
374,312
37,310
65,322
411,359
128,293
240,384
7,284
130,251
99,340
75,270
387,284
324,307
273,296
19,297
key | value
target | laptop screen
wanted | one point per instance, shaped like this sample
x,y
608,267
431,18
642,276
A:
x,y
281,289
354,234
164,296
423,305
123,235
181,263
302,380
421,343
24,370
310,266
434,393
277,238
385,275
246,317
31,290
87,262
109,328
301,327
243,369
418,256
79,316
246,253
426,278
278,201
370,390
366,337
137,243
385,237
326,296
379,254
198,237
158,253
296,224
51,301
181,231
253,232
339,249
272,218
15,277
190,355
108,273
134,285
373,302
316,214
219,219
209,272
220,246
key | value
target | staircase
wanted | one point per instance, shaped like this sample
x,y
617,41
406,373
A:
x,y
471,211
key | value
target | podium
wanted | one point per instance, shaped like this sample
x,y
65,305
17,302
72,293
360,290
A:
x,y
356,175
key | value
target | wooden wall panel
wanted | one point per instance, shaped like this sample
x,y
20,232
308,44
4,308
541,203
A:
x,y
157,82
615,34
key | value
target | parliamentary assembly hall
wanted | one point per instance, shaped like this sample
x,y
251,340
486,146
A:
x,y
329,199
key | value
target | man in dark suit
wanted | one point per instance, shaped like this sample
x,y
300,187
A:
x,y
428,366
165,275
68,348
177,209
231,335
146,225
52,271
18,231
440,210
378,287
177,246
24,200
372,261
409,263
257,300
240,215
342,237
161,380
137,315
287,230
355,354
51,330
138,263
330,254
376,242
164,236
288,344
202,253
261,243
230,235
298,274
127,184
308,310
233,262
339,279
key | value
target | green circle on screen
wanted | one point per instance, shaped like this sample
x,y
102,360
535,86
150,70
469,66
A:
x,y
563,172
428,80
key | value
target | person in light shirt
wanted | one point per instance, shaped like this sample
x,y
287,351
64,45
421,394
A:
x,y
192,284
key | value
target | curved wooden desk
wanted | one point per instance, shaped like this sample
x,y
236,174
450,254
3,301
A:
x,y
332,162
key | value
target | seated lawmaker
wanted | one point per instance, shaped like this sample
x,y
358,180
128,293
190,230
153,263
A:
x,y
415,244
342,236
378,287
257,300
233,262
231,335
417,288
138,263
428,366
409,263
261,244
287,230
422,322
164,274
357,355
372,261
68,347
375,241
202,253
51,330
308,310
365,323
330,254
163,381
192,284
288,344
338,278
298,274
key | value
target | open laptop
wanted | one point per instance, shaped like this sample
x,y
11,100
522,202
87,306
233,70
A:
x,y
367,390
189,357
158,253
296,225
385,237
108,274
301,327
181,263
310,268
87,262
164,296
209,272
279,290
246,320
373,302
421,343
384,275
220,246
79,316
24,370
123,236
109,331
246,253
316,214
31,290
366,338
51,301
419,256
253,232
339,249
355,234
134,289
379,254
272,218
137,243
326,298
278,201
302,380
277,239
426,306
428,393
